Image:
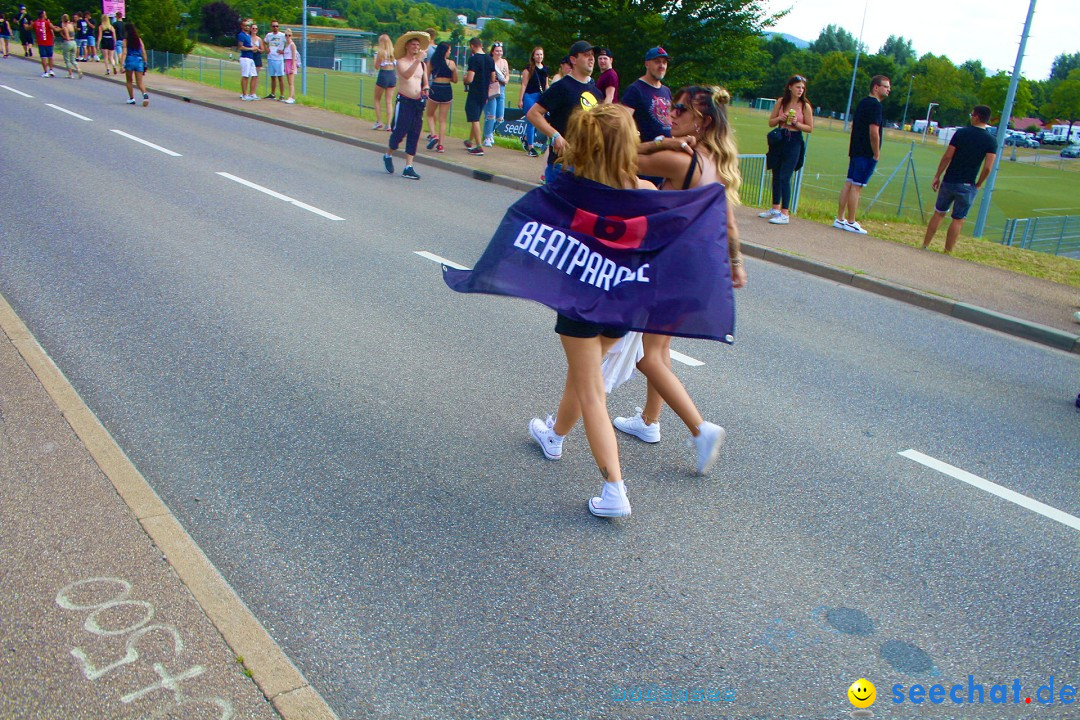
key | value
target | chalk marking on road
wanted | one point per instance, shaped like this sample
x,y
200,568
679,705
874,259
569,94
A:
x,y
17,92
279,196
72,114
147,143
440,260
994,489
685,359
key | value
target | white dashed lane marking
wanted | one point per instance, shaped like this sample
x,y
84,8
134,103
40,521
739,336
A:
x,y
279,196
147,143
994,489
17,92
72,114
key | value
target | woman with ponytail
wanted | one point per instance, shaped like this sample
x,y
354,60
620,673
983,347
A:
x,y
701,150
601,147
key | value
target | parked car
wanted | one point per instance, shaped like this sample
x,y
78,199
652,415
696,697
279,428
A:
x,y
1049,138
1022,140
1073,151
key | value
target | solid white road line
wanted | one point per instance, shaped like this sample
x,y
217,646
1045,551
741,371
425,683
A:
x,y
17,92
685,359
994,489
147,143
72,114
440,260
279,196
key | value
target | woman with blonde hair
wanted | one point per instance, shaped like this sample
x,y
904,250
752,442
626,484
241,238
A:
x,y
701,150
106,40
385,82
495,108
601,147
292,64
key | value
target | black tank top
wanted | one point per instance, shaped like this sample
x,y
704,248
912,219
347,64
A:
x,y
443,72
107,35
537,81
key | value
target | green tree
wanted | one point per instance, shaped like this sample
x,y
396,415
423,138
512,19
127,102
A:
x,y
993,90
938,81
976,70
832,85
709,40
1063,65
1065,100
158,22
899,49
833,38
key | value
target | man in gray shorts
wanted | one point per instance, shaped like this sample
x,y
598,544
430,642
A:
x,y
969,148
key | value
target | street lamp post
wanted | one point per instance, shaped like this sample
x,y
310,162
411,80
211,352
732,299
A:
x,y
929,110
904,121
855,70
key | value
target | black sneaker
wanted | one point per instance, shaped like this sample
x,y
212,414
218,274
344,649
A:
x,y
409,173
432,142
269,97
524,143
478,151
389,163
533,153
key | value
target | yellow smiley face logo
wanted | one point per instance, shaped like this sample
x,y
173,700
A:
x,y
588,101
862,693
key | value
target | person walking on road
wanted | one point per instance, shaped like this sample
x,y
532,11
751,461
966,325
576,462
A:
x,y
601,146
552,112
700,151
68,47
444,74
44,35
969,148
135,63
793,115
864,151
478,78
246,50
385,82
275,61
107,43
292,63
533,84
412,94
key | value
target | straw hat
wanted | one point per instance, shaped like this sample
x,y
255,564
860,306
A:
x,y
399,46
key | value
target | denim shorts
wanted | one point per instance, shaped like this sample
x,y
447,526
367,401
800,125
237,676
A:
x,y
959,195
860,169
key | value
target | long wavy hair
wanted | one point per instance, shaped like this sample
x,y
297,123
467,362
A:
x,y
532,59
718,138
386,47
602,145
438,60
789,96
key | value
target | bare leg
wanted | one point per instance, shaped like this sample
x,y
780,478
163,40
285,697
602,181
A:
x,y
569,411
379,91
932,228
583,356
665,383
953,234
854,193
127,81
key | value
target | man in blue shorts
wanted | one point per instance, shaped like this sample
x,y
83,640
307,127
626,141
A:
x,y
864,151
969,148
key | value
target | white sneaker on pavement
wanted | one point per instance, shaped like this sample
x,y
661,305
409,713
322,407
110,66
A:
x,y
708,442
840,224
546,437
612,501
636,426
770,213
855,227
780,219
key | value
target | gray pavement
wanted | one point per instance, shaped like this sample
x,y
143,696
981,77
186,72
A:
x,y
93,534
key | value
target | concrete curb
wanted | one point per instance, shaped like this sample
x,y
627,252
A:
x,y
273,672
960,310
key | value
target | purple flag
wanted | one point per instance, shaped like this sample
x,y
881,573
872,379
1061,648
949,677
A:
x,y
640,259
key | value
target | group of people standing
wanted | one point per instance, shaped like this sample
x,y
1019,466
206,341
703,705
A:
x,y
282,61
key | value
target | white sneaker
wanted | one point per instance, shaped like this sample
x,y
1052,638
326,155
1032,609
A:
x,y
770,213
290,101
612,501
840,224
548,440
780,219
489,142
707,444
855,227
636,426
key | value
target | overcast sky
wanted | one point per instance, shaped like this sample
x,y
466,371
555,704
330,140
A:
x,y
987,30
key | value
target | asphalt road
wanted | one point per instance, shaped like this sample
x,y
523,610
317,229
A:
x,y
346,440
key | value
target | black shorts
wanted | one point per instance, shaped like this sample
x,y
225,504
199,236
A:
x,y
474,107
580,329
441,93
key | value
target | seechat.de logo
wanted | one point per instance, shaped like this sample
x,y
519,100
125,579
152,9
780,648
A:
x,y
615,232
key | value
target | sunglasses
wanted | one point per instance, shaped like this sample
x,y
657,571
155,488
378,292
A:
x,y
679,108
495,45
799,78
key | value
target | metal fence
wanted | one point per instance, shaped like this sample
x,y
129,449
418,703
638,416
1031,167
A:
x,y
757,182
1058,235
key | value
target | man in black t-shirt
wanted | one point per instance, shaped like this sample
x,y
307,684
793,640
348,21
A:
x,y
969,148
864,151
478,77
551,113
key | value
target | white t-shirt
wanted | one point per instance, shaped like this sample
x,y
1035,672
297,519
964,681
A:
x,y
276,41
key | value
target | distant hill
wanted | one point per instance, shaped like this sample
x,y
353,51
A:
x,y
483,8
797,42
